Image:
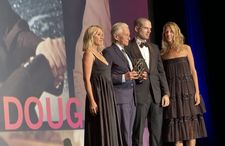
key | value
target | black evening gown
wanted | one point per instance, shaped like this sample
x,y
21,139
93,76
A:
x,y
183,120
102,129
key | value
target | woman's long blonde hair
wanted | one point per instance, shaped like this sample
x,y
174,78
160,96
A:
x,y
88,39
178,39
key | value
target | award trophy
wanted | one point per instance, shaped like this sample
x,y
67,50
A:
x,y
139,65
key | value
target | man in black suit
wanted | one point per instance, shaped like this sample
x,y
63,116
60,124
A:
x,y
123,79
152,92
29,65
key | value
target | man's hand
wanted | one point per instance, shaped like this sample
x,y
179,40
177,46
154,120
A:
x,y
165,101
131,75
144,75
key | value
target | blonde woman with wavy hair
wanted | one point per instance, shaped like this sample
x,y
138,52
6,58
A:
x,y
176,41
89,38
183,118
101,121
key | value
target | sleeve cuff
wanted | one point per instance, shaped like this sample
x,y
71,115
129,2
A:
x,y
123,78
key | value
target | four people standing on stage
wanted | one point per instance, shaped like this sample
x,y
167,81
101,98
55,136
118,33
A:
x,y
144,94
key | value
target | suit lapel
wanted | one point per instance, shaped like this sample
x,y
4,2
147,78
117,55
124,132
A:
x,y
150,55
120,54
137,52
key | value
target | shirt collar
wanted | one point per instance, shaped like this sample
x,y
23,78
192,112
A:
x,y
119,46
138,41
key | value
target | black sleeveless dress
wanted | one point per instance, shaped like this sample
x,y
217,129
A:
x,y
102,129
183,120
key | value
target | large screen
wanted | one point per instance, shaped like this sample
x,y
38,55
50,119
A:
x,y
36,109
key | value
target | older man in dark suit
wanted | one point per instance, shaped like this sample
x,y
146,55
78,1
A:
x,y
152,92
123,79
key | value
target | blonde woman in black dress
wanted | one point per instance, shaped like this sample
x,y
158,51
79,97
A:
x,y
101,122
183,118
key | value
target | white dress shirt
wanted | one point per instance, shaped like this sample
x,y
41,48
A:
x,y
144,52
126,56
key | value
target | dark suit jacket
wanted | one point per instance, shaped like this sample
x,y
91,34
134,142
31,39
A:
x,y
156,84
124,91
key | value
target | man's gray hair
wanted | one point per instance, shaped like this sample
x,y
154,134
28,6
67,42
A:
x,y
117,28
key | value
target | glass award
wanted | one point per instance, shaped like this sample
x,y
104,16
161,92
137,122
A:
x,y
139,65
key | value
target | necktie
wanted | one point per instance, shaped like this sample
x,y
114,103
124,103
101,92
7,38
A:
x,y
128,59
143,44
